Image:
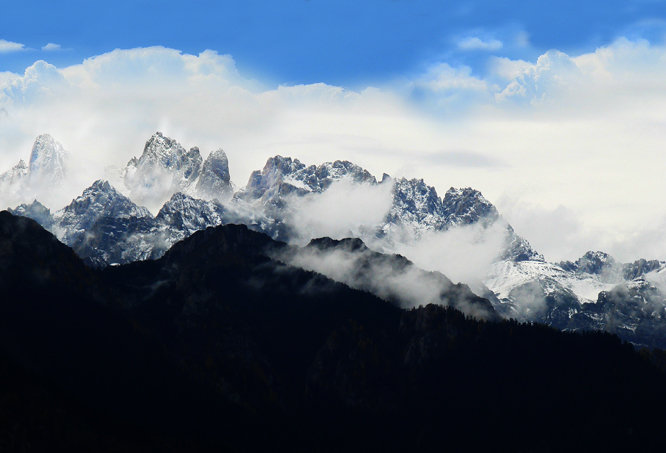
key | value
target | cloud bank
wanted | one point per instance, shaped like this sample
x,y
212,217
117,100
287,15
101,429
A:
x,y
584,132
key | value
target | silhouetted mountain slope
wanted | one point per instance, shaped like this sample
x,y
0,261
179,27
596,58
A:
x,y
391,277
219,346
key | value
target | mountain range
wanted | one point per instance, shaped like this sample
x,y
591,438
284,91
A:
x,y
285,200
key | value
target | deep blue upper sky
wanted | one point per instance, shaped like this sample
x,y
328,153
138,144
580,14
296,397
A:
x,y
344,42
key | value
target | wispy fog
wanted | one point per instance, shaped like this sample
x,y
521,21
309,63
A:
x,y
462,253
345,209
390,277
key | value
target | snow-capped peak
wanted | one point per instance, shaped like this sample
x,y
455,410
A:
x,y
102,199
14,176
595,262
466,206
417,204
45,171
47,161
184,215
167,153
165,167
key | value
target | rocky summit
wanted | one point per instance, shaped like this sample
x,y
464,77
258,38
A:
x,y
165,168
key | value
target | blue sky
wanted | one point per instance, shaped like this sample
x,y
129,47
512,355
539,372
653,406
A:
x,y
339,42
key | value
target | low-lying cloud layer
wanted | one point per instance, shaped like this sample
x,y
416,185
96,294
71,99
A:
x,y
346,209
583,132
390,277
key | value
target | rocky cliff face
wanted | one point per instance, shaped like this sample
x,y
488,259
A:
x,y
214,181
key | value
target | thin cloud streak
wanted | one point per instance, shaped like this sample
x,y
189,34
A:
x,y
476,43
10,46
51,47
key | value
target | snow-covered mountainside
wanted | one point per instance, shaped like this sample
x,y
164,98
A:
x,y
189,194
105,226
594,292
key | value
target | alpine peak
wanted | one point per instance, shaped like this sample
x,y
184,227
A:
x,y
47,161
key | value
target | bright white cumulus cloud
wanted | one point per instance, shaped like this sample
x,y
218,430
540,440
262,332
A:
x,y
584,132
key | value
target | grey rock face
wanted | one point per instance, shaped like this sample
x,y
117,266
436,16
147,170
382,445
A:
x,y
37,212
282,176
214,181
634,311
640,267
467,206
591,263
183,215
416,204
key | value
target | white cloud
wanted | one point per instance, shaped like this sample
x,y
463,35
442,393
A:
x,y
50,47
552,72
38,83
345,209
476,43
444,77
9,46
508,69
464,253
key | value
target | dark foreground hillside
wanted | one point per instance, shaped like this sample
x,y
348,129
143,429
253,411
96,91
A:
x,y
218,347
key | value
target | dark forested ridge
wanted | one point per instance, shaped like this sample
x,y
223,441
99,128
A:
x,y
218,347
